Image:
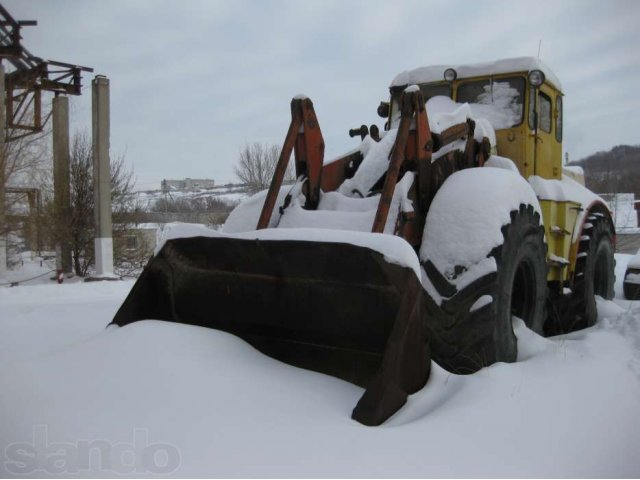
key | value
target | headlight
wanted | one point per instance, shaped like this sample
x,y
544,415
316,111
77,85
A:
x,y
536,78
450,75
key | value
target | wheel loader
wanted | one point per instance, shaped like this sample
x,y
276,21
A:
x,y
423,243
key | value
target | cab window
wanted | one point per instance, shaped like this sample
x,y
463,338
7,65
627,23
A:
x,y
544,112
429,91
532,108
499,101
559,118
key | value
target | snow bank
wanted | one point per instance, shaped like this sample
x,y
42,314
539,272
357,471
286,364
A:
x,y
335,201
37,320
297,217
635,261
465,219
626,322
219,402
30,272
339,212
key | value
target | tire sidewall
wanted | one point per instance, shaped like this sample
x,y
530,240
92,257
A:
x,y
600,249
524,242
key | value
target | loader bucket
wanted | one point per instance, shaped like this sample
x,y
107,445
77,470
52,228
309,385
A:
x,y
335,308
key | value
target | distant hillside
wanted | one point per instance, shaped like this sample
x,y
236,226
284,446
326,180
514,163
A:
x,y
615,171
157,200
209,206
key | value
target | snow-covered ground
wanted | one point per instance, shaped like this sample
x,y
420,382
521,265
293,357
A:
x,y
161,398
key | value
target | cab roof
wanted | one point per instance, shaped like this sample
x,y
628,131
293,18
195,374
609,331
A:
x,y
435,73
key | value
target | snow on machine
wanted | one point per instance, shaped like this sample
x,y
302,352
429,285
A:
x,y
423,243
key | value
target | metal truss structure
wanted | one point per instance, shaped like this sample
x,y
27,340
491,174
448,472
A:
x,y
30,77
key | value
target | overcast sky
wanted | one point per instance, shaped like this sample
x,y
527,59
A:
x,y
193,81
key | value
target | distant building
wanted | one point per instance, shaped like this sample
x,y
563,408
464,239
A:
x,y
142,237
186,185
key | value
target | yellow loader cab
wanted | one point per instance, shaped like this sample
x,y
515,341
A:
x,y
523,100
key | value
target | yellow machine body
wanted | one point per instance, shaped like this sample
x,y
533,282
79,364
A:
x,y
535,146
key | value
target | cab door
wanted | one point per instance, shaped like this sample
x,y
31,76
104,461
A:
x,y
547,134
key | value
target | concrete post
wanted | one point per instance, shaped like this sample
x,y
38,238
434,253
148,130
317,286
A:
x,y
3,219
31,230
102,176
61,192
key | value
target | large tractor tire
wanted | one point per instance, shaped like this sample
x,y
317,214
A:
x,y
594,275
474,327
471,322
521,282
595,269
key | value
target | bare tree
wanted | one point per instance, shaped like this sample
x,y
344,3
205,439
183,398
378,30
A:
x,y
256,165
131,260
79,226
81,222
24,162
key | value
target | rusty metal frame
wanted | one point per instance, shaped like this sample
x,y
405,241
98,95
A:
x,y
308,152
410,146
304,138
30,77
412,151
10,34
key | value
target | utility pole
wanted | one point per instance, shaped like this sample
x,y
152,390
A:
x,y
61,193
3,219
102,176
